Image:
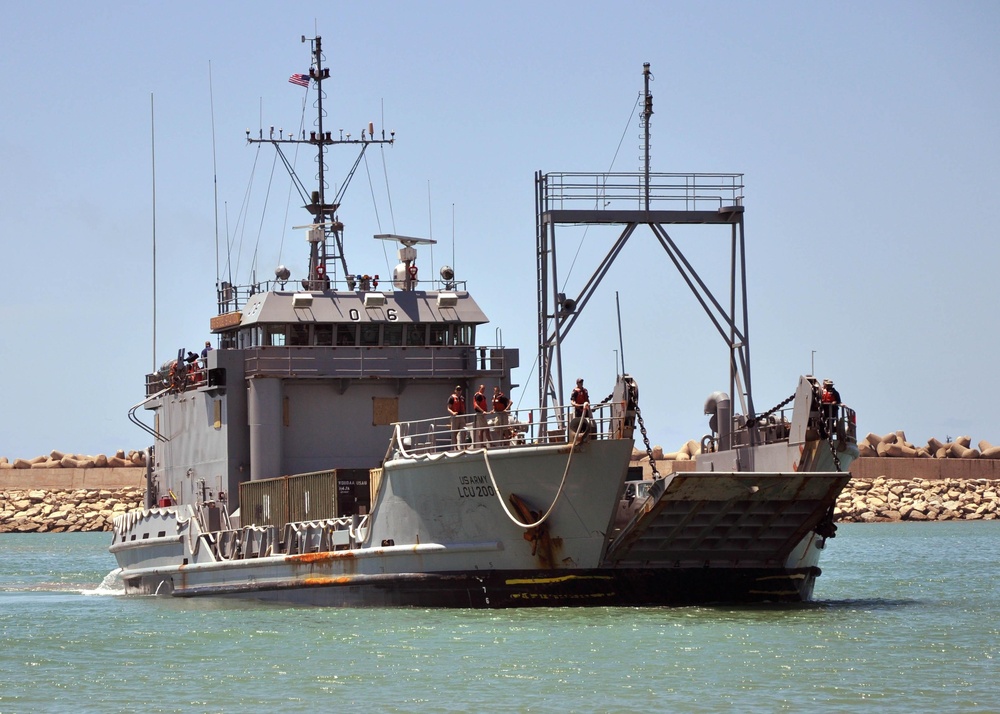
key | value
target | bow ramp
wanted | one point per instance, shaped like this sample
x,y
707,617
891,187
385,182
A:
x,y
717,519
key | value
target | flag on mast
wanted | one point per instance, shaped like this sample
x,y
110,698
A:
x,y
300,79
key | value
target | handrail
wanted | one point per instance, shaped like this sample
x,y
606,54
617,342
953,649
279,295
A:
x,y
423,437
230,297
142,425
616,190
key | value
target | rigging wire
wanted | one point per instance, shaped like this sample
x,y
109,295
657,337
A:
x,y
371,187
241,220
263,213
291,183
388,195
610,168
378,218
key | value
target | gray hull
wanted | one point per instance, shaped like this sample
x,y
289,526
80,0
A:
x,y
438,536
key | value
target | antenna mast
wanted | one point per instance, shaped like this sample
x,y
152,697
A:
x,y
647,113
326,234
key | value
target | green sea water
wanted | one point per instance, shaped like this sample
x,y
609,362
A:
x,y
906,619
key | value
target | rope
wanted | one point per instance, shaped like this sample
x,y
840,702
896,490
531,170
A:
x,y
496,488
511,516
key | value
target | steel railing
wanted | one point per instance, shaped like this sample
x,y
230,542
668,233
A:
x,y
616,191
515,428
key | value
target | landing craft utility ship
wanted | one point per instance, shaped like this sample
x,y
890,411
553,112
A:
x,y
307,459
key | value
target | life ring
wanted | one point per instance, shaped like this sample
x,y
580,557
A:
x,y
412,270
320,270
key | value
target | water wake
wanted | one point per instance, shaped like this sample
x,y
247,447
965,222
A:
x,y
111,585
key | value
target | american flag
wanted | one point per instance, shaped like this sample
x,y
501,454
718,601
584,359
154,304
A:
x,y
300,79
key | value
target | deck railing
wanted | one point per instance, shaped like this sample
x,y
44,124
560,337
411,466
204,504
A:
x,y
348,362
515,428
620,191
232,297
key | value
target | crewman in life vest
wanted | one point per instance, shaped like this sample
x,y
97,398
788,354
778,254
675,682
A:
x,y
456,407
482,433
193,372
176,377
830,400
580,399
501,407
583,422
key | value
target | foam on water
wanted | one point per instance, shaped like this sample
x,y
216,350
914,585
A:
x,y
111,585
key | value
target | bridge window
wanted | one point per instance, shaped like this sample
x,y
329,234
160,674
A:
x,y
275,335
347,335
324,335
416,335
439,335
369,334
298,334
464,334
392,334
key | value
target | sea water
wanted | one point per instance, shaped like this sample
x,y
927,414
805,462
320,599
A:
x,y
906,618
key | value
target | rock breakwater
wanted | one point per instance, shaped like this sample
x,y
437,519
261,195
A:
x,y
895,445
60,511
882,499
60,460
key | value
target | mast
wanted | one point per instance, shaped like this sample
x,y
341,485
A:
x,y
647,113
326,233
320,209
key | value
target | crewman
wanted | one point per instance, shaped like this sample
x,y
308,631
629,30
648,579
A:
x,y
830,400
204,354
501,407
194,373
482,434
583,422
580,399
456,407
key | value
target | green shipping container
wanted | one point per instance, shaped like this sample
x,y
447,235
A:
x,y
305,497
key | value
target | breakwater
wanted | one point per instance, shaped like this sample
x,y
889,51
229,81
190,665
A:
x,y
60,460
37,510
864,500
885,499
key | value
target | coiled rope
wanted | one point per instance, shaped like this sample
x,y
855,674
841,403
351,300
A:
x,y
511,516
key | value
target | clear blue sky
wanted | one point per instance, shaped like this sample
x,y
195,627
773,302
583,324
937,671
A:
x,y
867,133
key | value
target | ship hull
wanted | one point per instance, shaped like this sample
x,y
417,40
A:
x,y
635,587
439,536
